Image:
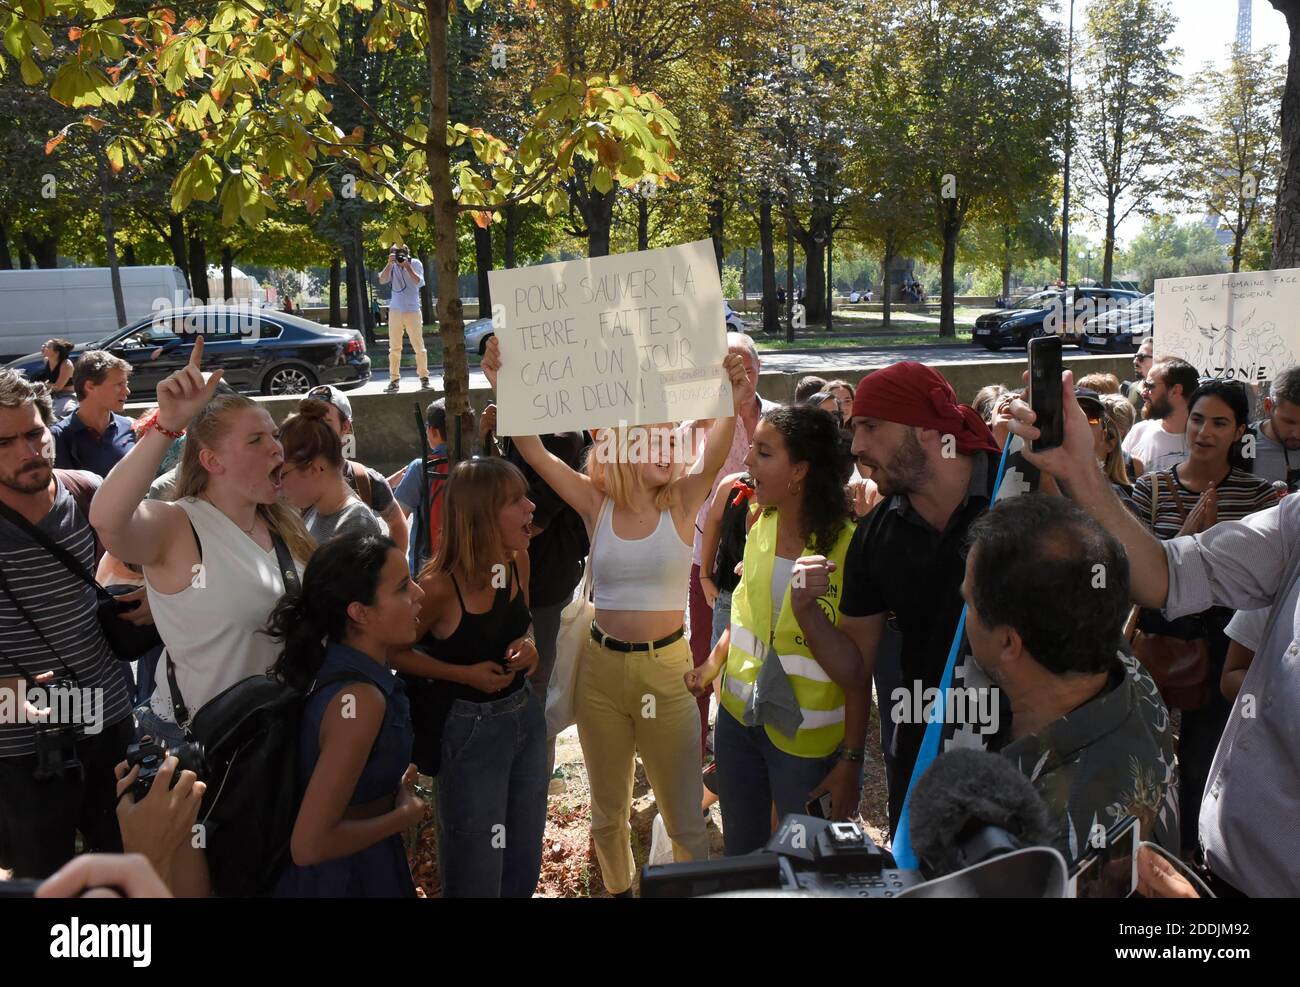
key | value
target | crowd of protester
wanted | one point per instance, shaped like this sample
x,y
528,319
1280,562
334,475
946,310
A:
x,y
753,579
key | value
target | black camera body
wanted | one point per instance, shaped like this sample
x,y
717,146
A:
x,y
401,256
56,743
149,754
807,857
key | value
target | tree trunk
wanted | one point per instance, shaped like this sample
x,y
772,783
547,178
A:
x,y
514,219
227,273
642,223
1006,262
426,291
767,252
451,323
355,294
24,258
483,261
1286,226
947,289
110,242
198,263
176,243
599,222
830,281
44,250
6,261
128,255
716,209
815,271
886,262
1108,263
367,323
789,284
336,275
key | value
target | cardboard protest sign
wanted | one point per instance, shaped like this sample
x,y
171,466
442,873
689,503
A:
x,y
1233,326
636,338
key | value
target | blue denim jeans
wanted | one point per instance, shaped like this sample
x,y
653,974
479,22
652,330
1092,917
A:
x,y
492,797
721,616
752,774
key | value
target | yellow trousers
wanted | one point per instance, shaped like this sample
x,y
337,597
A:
x,y
637,702
412,325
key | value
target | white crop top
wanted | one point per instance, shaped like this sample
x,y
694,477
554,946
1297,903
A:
x,y
644,574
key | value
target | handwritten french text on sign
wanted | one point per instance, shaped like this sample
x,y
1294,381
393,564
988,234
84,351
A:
x,y
635,338
1233,326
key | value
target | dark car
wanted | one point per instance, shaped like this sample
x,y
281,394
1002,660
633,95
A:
x,y
260,350
1121,331
1062,311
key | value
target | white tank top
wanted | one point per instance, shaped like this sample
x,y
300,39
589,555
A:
x,y
644,574
211,628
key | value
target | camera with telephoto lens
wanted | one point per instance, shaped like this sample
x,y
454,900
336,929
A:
x,y
401,256
56,743
150,753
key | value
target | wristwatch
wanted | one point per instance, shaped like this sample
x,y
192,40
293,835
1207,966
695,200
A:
x,y
854,754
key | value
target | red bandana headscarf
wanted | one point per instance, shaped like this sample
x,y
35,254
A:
x,y
913,394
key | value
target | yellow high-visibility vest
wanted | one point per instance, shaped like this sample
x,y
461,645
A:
x,y
752,637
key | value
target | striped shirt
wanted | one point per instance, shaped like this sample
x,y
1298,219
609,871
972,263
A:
x,y
1239,495
63,606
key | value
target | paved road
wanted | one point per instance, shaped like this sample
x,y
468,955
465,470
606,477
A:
x,y
821,361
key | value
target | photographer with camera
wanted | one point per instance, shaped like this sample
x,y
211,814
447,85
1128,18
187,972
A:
x,y
56,770
1252,794
1047,591
406,274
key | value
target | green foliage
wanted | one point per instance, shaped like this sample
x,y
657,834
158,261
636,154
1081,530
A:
x,y
1166,248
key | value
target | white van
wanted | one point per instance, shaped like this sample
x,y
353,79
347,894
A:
x,y
76,303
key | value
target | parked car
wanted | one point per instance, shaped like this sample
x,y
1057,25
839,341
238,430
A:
x,y
76,303
1062,311
261,351
1121,331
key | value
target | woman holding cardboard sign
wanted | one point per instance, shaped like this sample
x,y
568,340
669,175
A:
x,y
630,695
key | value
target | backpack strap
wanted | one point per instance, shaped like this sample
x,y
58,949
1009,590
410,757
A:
x,y
361,476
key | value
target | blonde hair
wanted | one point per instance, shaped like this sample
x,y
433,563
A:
x,y
1116,419
614,470
207,428
469,541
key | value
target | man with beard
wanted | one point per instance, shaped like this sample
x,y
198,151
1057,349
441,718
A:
x,y
1159,443
48,625
1277,436
935,463
1142,360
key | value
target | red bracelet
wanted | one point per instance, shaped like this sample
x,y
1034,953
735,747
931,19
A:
x,y
166,431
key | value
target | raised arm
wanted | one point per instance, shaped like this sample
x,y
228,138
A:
x,y
130,527
1075,468
695,487
576,488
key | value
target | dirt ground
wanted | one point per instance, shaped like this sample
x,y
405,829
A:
x,y
569,867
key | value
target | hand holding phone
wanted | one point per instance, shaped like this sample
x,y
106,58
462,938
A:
x,y
1045,391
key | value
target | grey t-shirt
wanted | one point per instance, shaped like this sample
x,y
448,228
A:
x,y
353,517
1270,457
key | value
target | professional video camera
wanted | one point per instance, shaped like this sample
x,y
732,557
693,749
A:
x,y
978,829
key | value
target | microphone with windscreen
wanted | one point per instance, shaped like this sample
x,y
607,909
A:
x,y
971,806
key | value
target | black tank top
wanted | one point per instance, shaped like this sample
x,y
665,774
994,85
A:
x,y
484,637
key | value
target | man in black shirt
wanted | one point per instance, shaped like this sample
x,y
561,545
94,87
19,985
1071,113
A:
x,y
934,462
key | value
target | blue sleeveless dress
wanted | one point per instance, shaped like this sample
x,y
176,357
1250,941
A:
x,y
381,870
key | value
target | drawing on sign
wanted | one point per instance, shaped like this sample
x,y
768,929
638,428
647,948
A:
x,y
1245,351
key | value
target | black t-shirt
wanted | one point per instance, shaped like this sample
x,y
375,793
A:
x,y
897,564
555,555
